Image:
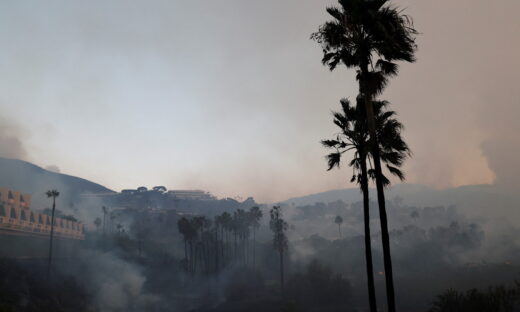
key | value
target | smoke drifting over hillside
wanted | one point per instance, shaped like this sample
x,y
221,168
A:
x,y
206,122
459,102
11,143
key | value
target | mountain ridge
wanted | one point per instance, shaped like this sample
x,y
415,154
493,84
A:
x,y
26,177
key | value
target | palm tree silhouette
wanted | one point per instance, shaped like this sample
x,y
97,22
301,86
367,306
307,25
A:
x,y
370,36
97,223
279,228
338,220
105,211
354,137
255,215
53,194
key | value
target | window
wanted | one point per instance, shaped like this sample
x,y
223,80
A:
x,y
32,217
40,220
2,210
13,213
22,216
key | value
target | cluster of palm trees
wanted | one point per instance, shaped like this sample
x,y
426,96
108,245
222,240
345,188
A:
x,y
369,36
210,245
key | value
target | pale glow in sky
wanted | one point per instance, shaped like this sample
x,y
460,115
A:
x,y
231,96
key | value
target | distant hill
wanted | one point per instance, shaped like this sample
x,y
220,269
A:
x,y
25,177
483,198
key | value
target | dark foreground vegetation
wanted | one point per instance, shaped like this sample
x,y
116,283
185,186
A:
x,y
170,261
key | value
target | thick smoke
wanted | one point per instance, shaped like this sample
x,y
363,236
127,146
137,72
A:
x,y
460,100
11,142
53,168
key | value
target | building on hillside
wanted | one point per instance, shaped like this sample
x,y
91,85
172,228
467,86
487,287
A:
x,y
190,195
17,218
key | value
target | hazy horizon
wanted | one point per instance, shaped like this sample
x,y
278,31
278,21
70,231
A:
x,y
231,97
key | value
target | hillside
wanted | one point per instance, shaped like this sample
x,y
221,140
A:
x,y
482,199
25,177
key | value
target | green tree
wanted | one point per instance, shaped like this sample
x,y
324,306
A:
x,y
354,136
370,36
279,228
53,194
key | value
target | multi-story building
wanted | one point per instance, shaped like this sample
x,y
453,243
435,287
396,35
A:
x,y
17,218
191,195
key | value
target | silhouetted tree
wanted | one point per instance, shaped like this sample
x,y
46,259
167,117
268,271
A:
x,y
279,228
105,211
226,220
188,232
354,136
53,194
414,215
112,218
370,36
338,220
97,223
255,214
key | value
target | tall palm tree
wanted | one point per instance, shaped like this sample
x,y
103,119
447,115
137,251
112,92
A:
x,y
279,228
226,220
97,223
255,214
339,220
183,225
53,194
370,36
354,137
105,211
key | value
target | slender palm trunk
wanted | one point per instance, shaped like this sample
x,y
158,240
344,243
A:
x,y
254,248
385,237
216,250
185,249
281,271
191,266
52,236
236,254
368,242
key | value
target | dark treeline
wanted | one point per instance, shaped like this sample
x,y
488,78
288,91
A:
x,y
212,245
166,261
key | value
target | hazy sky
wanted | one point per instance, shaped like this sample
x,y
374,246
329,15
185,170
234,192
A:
x,y
231,96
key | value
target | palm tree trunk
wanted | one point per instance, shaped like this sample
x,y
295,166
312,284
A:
x,y
52,236
236,254
385,237
216,250
368,242
223,245
191,259
185,250
281,271
254,247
